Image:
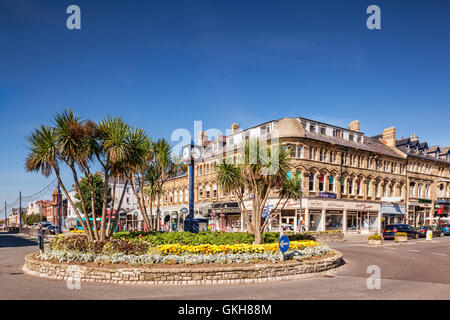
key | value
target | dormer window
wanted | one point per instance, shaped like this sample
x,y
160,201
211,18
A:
x,y
322,130
408,149
312,127
351,137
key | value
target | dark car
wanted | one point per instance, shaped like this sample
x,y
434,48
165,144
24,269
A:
x,y
437,232
390,230
51,229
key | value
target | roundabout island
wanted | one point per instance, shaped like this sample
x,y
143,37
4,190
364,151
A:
x,y
181,258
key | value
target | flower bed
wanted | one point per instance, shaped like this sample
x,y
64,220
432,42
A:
x,y
186,258
142,251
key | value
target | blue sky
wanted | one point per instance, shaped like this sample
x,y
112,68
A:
x,y
163,64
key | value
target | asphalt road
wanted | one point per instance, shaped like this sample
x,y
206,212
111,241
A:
x,y
416,270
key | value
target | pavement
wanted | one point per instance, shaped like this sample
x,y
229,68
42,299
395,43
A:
x,y
418,269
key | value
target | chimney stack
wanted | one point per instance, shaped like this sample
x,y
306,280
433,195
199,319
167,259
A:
x,y
355,126
234,128
202,138
389,137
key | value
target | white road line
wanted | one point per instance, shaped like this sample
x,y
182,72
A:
x,y
439,254
390,248
414,250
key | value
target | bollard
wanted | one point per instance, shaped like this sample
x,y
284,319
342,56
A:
x,y
40,241
429,235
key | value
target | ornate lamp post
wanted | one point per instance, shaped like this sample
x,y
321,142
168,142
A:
x,y
191,153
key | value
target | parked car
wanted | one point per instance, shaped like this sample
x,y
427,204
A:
x,y
446,229
437,232
390,230
44,224
51,229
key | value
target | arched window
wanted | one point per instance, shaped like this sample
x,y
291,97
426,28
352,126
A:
x,y
358,187
207,191
350,186
214,190
299,151
342,185
331,183
175,196
411,189
321,182
200,192
311,181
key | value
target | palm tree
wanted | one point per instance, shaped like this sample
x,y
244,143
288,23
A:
x,y
163,162
258,172
44,157
138,158
291,190
74,150
151,189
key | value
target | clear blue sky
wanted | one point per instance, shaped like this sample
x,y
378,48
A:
x,y
163,64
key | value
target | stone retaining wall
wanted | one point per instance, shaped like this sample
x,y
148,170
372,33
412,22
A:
x,y
262,272
329,237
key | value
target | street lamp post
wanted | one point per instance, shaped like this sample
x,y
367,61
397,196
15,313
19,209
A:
x,y
59,209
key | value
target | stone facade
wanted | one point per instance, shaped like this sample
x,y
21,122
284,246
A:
x,y
184,275
329,159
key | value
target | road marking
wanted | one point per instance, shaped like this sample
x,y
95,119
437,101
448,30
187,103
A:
x,y
414,250
439,254
391,248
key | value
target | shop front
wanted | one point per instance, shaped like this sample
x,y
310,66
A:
x,y
442,207
419,212
392,213
226,216
346,216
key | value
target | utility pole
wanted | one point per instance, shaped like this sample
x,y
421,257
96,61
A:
x,y
6,224
20,209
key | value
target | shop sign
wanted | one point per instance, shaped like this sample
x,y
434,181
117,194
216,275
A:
x,y
329,195
184,210
391,199
392,208
424,201
443,201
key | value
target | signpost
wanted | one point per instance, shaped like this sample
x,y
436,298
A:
x,y
284,245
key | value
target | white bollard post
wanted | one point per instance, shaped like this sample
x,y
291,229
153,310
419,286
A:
x,y
429,235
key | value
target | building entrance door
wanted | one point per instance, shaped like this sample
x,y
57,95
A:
x,y
353,221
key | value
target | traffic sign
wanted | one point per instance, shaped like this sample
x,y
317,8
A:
x,y
284,244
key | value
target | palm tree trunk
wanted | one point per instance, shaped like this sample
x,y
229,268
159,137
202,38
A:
x,y
63,187
105,200
119,207
94,215
88,230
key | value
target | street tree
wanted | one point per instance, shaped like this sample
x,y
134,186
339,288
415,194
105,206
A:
x,y
258,171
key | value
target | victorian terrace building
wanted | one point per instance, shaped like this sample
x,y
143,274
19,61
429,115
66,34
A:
x,y
350,182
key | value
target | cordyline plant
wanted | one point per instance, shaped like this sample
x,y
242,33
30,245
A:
x,y
81,144
260,171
